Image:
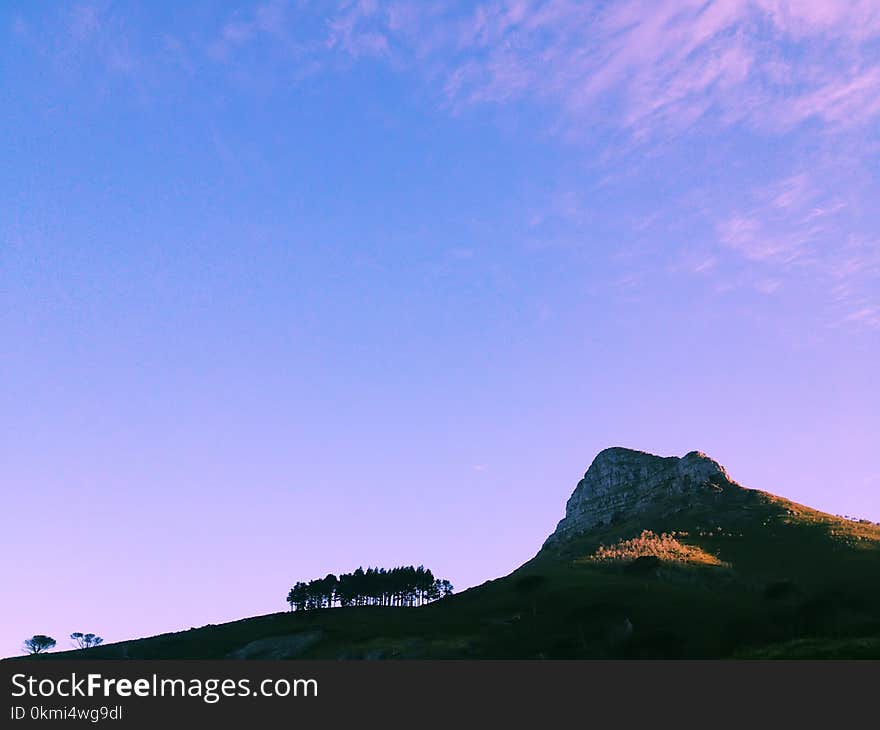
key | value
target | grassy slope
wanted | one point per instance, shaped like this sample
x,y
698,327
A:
x,y
800,583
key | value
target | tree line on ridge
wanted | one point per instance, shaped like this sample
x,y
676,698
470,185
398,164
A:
x,y
401,586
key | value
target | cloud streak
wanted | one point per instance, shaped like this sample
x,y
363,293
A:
x,y
661,69
651,76
650,65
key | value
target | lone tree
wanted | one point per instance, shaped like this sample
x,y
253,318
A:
x,y
85,641
38,643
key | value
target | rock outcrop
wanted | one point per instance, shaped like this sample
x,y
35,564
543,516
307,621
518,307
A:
x,y
622,483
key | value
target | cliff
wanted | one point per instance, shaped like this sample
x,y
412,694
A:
x,y
623,483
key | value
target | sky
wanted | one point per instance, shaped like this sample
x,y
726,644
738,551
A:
x,y
292,287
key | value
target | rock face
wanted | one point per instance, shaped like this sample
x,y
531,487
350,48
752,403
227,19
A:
x,y
621,483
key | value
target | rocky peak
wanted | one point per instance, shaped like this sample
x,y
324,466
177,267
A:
x,y
622,482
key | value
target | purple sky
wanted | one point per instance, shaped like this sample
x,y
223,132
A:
x,y
288,288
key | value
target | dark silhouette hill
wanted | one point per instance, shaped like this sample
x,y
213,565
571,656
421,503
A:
x,y
656,557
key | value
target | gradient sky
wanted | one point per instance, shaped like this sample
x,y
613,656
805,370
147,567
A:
x,y
292,287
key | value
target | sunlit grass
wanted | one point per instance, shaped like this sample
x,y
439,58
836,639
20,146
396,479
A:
x,y
665,546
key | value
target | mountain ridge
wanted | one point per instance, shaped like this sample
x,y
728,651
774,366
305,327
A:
x,y
648,548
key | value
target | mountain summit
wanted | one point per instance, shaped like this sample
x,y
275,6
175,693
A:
x,y
624,483
649,547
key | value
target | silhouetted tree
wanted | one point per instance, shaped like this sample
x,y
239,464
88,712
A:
x,y
328,590
38,643
85,641
298,597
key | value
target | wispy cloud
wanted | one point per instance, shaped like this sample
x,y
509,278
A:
x,y
85,35
804,225
650,75
648,66
783,221
349,29
654,64
243,27
660,69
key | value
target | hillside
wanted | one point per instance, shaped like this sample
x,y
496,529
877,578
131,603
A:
x,y
655,557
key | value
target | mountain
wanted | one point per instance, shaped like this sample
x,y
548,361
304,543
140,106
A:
x,y
655,557
622,483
